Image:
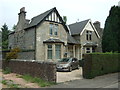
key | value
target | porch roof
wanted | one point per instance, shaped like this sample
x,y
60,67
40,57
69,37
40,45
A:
x,y
53,41
90,44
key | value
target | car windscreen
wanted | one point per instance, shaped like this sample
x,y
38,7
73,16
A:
x,y
65,60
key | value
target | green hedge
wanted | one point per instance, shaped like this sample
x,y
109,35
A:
x,y
100,64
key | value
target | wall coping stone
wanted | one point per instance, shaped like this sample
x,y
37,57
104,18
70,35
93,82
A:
x,y
38,61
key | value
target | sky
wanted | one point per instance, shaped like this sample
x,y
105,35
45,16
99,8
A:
x,y
75,10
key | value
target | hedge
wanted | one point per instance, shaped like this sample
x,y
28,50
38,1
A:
x,y
100,64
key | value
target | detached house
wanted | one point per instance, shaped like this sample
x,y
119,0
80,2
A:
x,y
47,37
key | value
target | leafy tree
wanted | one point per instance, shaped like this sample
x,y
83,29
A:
x,y
65,19
14,27
111,34
5,33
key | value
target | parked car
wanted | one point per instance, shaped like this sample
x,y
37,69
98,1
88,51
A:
x,y
67,64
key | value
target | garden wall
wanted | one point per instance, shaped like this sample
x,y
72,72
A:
x,y
28,54
99,64
43,70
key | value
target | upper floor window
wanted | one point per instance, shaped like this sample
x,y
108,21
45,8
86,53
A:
x,y
53,29
88,35
56,29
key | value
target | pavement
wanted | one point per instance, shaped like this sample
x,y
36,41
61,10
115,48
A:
x,y
68,76
105,81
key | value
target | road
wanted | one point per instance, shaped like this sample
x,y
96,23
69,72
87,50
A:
x,y
105,81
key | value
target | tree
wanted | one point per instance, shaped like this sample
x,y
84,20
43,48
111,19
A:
x,y
111,34
65,19
5,33
14,27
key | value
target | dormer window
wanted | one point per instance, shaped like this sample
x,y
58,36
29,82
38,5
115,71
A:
x,y
53,30
88,35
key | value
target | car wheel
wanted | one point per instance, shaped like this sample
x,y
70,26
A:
x,y
70,68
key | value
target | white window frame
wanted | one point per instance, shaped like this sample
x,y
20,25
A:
x,y
56,50
49,49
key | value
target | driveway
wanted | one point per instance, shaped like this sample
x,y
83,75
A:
x,y
68,76
105,81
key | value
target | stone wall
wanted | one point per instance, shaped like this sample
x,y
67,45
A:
x,y
42,34
28,55
43,70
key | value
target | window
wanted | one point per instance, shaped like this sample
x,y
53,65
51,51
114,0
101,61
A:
x,y
49,51
58,51
87,50
88,35
51,29
56,30
93,49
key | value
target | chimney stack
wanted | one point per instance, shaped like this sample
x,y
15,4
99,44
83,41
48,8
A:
x,y
22,14
97,24
21,19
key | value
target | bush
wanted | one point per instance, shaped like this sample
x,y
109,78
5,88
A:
x,y
81,62
37,80
7,70
99,64
13,54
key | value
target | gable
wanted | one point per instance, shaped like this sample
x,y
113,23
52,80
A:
x,y
53,17
77,28
89,26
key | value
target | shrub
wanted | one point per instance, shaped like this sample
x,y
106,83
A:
x,y
37,80
7,70
13,54
99,64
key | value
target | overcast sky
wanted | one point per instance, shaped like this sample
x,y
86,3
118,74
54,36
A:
x,y
96,10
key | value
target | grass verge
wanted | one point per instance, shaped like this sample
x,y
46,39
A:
x,y
10,84
40,82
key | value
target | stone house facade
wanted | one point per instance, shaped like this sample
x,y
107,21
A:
x,y
47,37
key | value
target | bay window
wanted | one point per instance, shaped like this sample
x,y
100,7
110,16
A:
x,y
49,51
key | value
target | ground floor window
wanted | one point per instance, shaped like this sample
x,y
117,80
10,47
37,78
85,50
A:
x,y
93,49
58,51
49,51
88,50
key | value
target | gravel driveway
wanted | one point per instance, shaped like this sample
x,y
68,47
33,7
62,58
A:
x,y
67,76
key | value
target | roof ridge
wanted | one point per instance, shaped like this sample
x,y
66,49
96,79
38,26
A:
x,y
79,22
44,12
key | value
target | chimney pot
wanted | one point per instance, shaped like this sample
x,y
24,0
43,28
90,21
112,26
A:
x,y
22,9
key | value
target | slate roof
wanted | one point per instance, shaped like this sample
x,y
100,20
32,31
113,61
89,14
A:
x,y
53,41
37,19
71,40
77,27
